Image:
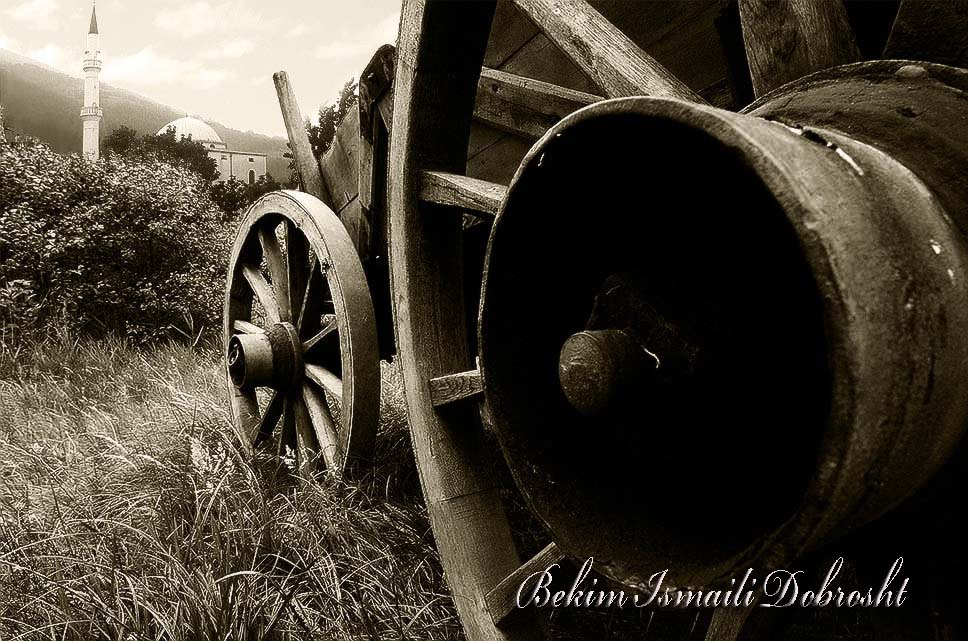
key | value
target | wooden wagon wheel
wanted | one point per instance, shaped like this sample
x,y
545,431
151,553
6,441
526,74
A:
x,y
441,47
305,334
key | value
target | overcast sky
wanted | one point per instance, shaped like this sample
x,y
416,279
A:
x,y
212,58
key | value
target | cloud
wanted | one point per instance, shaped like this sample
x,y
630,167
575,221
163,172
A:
x,y
54,56
299,30
36,13
8,43
150,68
201,18
230,50
379,33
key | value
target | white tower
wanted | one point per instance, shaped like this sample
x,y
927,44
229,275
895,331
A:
x,y
91,112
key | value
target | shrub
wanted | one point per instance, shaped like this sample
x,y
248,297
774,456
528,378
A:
x,y
164,146
233,196
125,245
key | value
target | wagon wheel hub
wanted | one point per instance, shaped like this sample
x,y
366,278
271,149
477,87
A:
x,y
271,359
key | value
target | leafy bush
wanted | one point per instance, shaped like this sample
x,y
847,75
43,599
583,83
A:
x,y
125,245
165,146
233,196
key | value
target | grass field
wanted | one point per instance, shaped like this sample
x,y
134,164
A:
x,y
128,512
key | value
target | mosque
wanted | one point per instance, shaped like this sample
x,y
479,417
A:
x,y
246,166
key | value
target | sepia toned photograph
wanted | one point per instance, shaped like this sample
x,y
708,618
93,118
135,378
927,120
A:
x,y
483,320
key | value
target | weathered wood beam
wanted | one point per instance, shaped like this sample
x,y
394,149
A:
x,y
452,388
788,39
474,195
605,54
302,151
524,106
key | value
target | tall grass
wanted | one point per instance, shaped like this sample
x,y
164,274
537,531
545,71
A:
x,y
128,511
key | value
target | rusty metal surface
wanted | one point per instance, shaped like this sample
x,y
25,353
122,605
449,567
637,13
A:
x,y
819,280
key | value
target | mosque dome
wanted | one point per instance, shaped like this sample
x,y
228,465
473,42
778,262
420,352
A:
x,y
187,127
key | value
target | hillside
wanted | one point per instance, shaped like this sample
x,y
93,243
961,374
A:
x,y
42,102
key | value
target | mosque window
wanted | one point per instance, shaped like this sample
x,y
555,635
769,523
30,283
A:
x,y
252,176
251,159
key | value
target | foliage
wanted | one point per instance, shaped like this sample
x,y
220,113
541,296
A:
x,y
126,245
131,511
193,155
322,132
233,195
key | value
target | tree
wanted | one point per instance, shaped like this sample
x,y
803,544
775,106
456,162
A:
x,y
323,131
122,141
185,152
322,134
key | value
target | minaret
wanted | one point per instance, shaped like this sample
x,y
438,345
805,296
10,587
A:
x,y
91,112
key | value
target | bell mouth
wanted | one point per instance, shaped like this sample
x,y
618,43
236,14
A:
x,y
651,223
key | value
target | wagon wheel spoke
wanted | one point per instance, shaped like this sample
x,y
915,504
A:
x,y
245,327
501,599
932,31
326,380
605,54
297,268
270,417
323,425
452,388
287,438
787,40
278,270
307,445
314,300
263,292
727,623
329,327
471,194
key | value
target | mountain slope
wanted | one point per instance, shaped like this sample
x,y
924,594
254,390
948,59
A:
x,y
42,102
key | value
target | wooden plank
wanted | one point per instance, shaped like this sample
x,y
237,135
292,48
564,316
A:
x,y
509,32
541,59
501,600
787,40
385,105
367,165
375,82
524,106
339,165
498,161
931,31
452,388
444,188
306,165
609,57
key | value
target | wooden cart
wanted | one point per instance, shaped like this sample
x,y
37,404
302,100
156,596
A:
x,y
640,233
